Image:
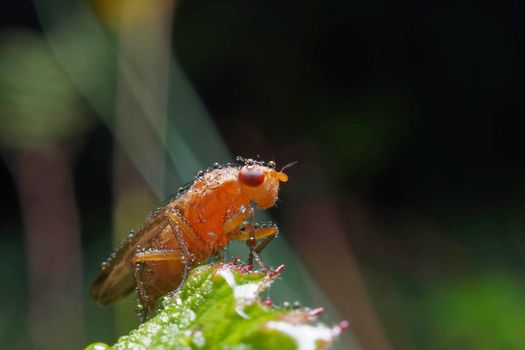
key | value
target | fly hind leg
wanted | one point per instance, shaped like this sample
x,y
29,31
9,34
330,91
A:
x,y
156,272
165,269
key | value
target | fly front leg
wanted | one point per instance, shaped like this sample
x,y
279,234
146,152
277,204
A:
x,y
237,224
258,231
241,227
236,221
253,233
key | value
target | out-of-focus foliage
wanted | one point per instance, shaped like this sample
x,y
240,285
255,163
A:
x,y
37,101
219,307
483,312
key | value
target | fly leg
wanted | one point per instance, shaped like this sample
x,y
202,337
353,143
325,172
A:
x,y
219,255
165,269
179,226
268,232
232,225
258,232
236,224
150,284
237,228
265,242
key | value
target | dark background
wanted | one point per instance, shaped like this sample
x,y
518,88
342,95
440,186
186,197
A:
x,y
407,120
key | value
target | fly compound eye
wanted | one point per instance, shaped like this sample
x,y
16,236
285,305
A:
x,y
251,175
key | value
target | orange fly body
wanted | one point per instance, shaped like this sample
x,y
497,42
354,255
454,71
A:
x,y
193,226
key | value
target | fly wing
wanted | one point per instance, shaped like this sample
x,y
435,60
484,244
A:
x,y
115,279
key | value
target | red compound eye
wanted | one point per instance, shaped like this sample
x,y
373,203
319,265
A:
x,y
251,175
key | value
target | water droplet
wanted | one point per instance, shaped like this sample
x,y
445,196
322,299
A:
x,y
198,339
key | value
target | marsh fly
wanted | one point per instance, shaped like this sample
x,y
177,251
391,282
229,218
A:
x,y
193,226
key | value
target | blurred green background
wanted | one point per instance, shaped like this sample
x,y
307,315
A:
x,y
404,214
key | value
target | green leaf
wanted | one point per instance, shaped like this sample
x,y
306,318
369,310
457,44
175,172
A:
x,y
219,307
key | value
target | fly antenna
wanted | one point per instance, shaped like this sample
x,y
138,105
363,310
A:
x,y
288,165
